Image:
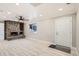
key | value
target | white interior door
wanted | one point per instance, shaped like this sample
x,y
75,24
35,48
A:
x,y
1,31
63,31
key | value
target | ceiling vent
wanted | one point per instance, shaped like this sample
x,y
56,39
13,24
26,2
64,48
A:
x,y
68,3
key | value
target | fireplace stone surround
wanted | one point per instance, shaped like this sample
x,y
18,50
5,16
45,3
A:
x,y
14,30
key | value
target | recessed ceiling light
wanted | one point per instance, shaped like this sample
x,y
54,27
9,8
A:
x,y
4,16
60,9
17,4
9,12
41,15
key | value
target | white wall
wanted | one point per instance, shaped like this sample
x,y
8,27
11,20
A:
x,y
74,30
45,29
77,29
1,31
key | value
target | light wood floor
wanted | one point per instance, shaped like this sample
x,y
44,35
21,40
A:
x,y
28,47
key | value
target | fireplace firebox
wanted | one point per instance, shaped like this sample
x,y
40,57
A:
x,y
14,33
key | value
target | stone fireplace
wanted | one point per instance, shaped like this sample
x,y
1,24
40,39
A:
x,y
14,30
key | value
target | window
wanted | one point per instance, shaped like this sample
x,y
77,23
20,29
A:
x,y
33,27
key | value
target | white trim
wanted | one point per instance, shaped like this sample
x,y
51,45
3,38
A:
x,y
40,40
74,51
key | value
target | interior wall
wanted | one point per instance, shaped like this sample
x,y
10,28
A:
x,y
26,28
77,29
45,29
1,30
74,30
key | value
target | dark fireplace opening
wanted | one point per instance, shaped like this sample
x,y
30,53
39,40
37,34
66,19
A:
x,y
21,33
14,33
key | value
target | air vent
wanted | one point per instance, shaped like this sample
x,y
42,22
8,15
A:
x,y
68,3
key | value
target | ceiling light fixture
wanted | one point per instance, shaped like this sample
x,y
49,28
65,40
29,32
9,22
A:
x,y
17,4
4,16
41,15
68,3
9,12
60,9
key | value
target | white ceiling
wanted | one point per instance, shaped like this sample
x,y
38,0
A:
x,y
25,10
43,11
51,10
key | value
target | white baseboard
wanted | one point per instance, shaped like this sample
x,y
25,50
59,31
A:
x,y
74,51
39,40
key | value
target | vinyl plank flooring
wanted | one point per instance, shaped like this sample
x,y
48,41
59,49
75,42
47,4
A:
x,y
28,47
